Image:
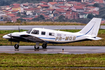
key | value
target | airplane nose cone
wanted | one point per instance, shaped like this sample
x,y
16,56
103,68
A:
x,y
6,37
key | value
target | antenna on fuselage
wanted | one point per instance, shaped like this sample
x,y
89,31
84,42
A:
x,y
11,38
19,27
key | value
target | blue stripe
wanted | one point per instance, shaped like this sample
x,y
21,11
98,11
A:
x,y
89,30
86,32
46,38
80,35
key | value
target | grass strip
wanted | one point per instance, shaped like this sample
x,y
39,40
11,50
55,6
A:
x,y
52,60
42,23
43,68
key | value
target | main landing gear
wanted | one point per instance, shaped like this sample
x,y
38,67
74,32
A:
x,y
44,45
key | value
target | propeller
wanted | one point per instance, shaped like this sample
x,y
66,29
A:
x,y
19,26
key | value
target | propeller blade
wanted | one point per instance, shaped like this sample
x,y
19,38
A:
x,y
11,37
19,28
11,42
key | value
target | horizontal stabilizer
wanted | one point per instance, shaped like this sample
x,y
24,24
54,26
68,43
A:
x,y
94,38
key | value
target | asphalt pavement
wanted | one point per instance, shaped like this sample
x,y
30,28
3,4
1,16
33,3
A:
x,y
27,27
54,49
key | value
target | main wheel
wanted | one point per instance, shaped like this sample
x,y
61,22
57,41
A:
x,y
36,47
16,46
44,46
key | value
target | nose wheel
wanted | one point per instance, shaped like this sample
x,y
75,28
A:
x,y
16,46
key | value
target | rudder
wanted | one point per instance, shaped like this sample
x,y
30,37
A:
x,y
92,27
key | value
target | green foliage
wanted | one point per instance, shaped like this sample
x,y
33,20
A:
x,y
102,12
71,30
74,0
9,31
20,20
39,18
90,16
49,68
53,60
96,5
80,20
61,18
4,2
18,14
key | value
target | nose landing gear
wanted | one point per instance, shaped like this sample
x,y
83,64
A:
x,y
16,46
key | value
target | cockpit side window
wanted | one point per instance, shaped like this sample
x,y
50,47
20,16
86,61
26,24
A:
x,y
35,32
43,33
51,34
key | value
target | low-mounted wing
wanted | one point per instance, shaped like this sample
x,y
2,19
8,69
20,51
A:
x,y
31,38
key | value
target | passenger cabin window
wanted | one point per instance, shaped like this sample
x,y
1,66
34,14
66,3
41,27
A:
x,y
35,32
51,34
58,34
43,33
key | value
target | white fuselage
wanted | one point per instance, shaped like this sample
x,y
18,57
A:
x,y
58,36
51,36
41,35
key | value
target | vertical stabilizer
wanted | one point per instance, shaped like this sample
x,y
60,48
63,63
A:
x,y
92,27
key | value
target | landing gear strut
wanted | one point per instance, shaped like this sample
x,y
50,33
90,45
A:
x,y
16,46
36,46
44,45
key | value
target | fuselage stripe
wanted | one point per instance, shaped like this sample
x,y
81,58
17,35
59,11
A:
x,y
86,32
47,38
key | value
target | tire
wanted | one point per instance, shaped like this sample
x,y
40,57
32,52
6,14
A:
x,y
44,46
36,47
16,46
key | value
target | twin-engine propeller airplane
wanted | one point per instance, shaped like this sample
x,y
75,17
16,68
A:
x,y
41,35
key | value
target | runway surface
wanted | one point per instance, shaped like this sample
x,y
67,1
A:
x,y
54,49
27,27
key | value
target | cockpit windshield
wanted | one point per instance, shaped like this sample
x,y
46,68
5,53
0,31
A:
x,y
29,31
